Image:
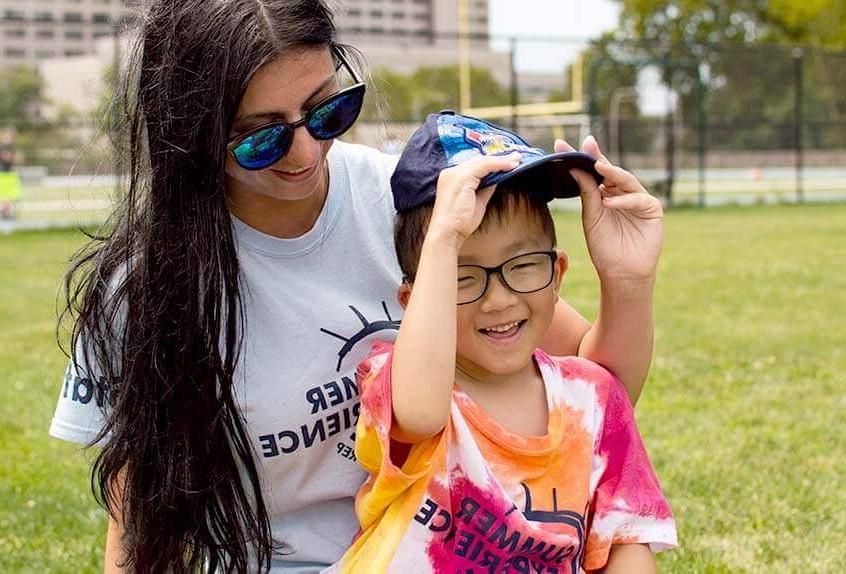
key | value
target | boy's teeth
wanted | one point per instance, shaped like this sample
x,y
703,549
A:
x,y
503,328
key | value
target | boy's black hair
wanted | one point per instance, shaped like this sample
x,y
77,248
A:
x,y
509,198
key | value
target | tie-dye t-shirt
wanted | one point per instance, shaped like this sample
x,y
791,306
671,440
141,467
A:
x,y
478,498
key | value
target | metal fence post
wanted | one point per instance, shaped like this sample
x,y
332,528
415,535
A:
x,y
798,68
515,88
703,134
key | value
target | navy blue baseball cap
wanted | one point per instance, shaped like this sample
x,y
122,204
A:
x,y
447,139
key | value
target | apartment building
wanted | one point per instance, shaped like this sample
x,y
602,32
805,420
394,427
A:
x,y
66,38
419,22
32,30
405,34
421,30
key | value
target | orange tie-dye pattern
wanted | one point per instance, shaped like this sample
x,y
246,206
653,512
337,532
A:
x,y
477,497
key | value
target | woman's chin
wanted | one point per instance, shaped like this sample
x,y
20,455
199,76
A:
x,y
280,187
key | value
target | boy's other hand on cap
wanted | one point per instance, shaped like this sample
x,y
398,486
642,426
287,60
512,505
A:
x,y
623,223
459,204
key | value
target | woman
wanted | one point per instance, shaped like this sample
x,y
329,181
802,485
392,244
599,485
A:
x,y
218,326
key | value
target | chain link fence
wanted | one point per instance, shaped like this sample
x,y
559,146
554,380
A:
x,y
700,124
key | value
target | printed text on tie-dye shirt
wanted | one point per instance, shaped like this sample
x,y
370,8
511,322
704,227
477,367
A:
x,y
490,534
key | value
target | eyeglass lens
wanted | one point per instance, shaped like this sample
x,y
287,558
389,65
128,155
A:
x,y
263,147
523,274
328,120
335,116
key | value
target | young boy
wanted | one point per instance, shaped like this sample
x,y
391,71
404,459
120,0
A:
x,y
485,454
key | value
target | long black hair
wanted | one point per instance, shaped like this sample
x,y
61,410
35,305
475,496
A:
x,y
155,299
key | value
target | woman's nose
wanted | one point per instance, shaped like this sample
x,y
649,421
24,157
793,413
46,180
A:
x,y
304,150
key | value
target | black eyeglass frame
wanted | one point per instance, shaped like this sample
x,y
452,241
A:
x,y
358,86
552,254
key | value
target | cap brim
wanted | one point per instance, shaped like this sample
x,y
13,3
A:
x,y
549,174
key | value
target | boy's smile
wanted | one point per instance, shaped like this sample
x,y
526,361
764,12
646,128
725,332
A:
x,y
497,334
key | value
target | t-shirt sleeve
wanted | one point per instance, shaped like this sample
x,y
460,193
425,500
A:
x,y
393,466
399,473
81,410
628,506
79,415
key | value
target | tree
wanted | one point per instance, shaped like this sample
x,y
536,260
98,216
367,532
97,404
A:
x,y
428,90
744,51
815,22
20,97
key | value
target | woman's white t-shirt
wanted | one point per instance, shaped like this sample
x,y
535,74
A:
x,y
314,305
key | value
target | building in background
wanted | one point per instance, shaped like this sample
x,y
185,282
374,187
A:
x,y
32,30
70,41
419,30
412,22
404,35
76,82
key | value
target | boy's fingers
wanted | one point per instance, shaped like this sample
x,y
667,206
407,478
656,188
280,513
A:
x,y
562,146
618,177
483,166
610,190
587,184
591,147
589,192
642,205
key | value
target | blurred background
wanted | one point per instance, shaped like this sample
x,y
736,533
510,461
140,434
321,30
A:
x,y
712,103
737,107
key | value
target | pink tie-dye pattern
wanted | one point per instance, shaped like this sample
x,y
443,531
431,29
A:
x,y
626,504
628,476
501,540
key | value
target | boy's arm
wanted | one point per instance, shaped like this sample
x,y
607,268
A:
x,y
623,227
620,339
630,559
423,367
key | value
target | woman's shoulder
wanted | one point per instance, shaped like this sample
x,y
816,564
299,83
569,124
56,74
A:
x,y
367,172
365,160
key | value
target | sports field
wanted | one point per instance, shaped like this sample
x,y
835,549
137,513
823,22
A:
x,y
87,200
744,413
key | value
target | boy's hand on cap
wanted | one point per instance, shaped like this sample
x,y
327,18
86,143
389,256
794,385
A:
x,y
459,204
623,223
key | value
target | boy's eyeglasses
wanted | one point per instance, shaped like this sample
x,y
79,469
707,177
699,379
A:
x,y
266,144
525,273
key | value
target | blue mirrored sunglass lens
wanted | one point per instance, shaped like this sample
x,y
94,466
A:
x,y
263,148
335,116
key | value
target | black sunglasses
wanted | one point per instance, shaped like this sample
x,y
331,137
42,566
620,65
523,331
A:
x,y
266,144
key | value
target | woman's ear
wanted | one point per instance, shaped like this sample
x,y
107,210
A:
x,y
561,265
404,293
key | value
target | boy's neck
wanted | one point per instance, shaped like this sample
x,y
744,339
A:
x,y
469,376
516,401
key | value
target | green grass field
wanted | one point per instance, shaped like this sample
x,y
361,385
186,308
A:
x,y
744,413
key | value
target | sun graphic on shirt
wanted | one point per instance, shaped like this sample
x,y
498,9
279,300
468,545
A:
x,y
367,329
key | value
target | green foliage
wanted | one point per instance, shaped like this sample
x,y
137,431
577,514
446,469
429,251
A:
x,y
428,90
55,143
20,96
610,68
750,80
815,22
104,116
